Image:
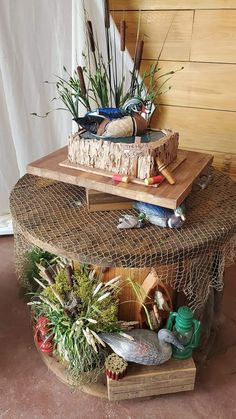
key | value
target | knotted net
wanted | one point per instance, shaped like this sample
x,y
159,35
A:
x,y
53,215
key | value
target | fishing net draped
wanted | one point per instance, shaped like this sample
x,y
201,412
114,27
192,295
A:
x,y
53,216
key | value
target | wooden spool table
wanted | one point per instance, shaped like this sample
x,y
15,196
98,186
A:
x,y
53,215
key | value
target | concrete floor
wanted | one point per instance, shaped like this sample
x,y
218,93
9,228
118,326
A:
x,y
28,390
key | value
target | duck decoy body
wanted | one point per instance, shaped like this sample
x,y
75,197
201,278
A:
x,y
115,122
160,216
146,348
130,221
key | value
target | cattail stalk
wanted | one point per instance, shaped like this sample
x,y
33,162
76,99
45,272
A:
x,y
115,74
138,55
122,35
69,273
122,46
90,34
107,13
107,32
132,81
92,41
137,62
81,80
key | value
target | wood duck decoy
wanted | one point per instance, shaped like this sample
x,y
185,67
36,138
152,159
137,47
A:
x,y
116,122
145,347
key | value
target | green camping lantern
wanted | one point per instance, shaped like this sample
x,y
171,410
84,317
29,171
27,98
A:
x,y
186,329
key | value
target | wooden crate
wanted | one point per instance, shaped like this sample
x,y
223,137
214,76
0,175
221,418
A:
x,y
100,201
142,381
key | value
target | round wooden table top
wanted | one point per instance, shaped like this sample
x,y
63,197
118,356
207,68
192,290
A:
x,y
53,215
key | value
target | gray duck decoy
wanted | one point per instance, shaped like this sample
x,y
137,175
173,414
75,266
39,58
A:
x,y
146,347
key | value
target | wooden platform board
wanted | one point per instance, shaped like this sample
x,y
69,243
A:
x,y
140,381
170,196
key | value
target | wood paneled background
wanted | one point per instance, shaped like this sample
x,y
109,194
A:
x,y
201,36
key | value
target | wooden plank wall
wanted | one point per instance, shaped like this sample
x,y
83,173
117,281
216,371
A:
x,y
201,36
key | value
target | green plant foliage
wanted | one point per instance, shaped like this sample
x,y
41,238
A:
x,y
31,270
61,286
75,327
102,82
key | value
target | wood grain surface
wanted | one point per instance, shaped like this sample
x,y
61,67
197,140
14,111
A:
x,y
142,381
201,36
214,36
170,196
214,132
99,201
171,4
200,85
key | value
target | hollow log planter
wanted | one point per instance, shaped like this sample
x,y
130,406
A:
x,y
136,159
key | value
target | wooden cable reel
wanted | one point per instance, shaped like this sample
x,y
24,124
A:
x,y
150,286
130,309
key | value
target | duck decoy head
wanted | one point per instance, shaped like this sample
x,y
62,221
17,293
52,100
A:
x,y
136,104
167,336
177,218
180,212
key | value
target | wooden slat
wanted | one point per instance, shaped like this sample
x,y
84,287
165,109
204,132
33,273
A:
x,y
171,4
200,85
99,201
170,196
171,28
214,36
200,128
209,37
174,376
142,380
203,32
225,162
204,131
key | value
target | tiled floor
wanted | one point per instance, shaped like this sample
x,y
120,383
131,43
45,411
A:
x,y
28,390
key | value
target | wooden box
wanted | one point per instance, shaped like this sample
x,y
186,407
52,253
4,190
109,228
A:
x,y
136,159
100,201
142,381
